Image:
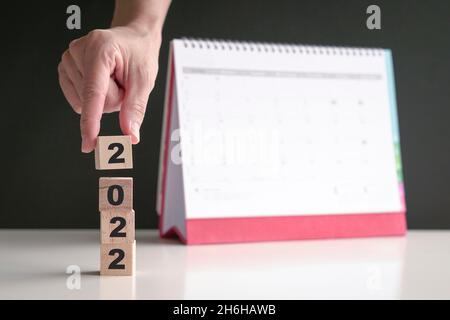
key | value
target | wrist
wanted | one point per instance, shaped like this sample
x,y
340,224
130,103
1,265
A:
x,y
144,17
145,30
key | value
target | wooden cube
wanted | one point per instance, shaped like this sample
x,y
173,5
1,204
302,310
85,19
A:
x,y
117,259
115,193
113,152
117,288
117,226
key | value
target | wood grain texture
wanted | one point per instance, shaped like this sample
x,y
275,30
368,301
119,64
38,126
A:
x,y
117,226
115,193
109,253
113,152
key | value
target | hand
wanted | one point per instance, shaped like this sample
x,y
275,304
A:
x,y
106,71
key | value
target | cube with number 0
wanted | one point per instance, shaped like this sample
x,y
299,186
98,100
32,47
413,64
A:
x,y
115,193
117,259
117,226
113,152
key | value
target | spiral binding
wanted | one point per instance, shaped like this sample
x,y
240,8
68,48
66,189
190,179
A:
x,y
282,48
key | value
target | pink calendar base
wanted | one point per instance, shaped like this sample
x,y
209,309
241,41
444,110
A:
x,y
227,230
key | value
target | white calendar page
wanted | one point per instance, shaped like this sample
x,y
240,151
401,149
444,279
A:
x,y
270,133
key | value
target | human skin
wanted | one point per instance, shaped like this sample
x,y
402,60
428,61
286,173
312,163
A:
x,y
114,69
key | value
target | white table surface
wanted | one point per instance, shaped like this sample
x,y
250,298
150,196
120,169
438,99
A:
x,y
34,265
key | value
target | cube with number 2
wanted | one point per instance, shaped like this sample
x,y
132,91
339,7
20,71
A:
x,y
117,226
118,259
113,152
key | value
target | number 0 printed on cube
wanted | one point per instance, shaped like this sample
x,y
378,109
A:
x,y
115,193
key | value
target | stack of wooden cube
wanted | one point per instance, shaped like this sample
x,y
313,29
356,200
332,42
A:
x,y
117,227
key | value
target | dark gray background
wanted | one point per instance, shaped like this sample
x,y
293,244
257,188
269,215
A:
x,y
47,182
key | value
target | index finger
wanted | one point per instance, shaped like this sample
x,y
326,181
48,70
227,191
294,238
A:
x,y
95,88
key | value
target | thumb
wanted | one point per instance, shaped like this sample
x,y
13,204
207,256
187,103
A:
x,y
132,113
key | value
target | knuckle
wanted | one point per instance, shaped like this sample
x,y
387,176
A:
x,y
146,75
138,109
60,68
96,33
62,83
73,44
65,57
91,92
87,120
100,45
106,52
99,35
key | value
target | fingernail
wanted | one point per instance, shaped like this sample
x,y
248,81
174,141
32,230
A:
x,y
84,146
135,131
